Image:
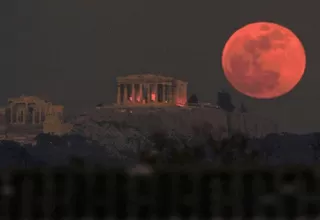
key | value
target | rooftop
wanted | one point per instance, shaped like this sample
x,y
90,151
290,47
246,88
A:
x,y
146,76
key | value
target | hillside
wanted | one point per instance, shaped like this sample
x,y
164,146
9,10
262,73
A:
x,y
129,132
113,138
122,129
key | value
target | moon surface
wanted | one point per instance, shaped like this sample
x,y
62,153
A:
x,y
263,60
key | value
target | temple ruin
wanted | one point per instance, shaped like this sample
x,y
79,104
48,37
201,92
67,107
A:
x,y
150,89
25,117
30,110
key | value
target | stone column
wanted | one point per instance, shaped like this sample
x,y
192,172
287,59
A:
x,y
140,93
169,93
148,93
17,116
133,93
40,114
119,94
163,92
178,95
24,116
11,113
152,91
33,116
186,93
155,89
25,113
175,93
125,95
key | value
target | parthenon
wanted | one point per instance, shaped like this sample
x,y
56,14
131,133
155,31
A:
x,y
151,89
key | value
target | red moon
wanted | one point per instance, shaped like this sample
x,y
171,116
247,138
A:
x,y
263,60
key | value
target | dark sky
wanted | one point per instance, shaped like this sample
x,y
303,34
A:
x,y
71,50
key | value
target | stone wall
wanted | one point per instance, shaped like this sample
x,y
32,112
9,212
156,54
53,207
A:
x,y
54,125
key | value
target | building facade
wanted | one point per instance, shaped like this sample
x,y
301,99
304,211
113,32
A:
x,y
151,89
53,125
25,117
30,110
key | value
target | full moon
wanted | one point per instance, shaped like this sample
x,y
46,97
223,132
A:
x,y
263,60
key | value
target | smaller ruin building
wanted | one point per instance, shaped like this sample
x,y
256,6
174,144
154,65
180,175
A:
x,y
25,117
151,89
30,110
54,125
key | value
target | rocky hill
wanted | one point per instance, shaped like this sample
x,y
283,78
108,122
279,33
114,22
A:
x,y
113,138
116,126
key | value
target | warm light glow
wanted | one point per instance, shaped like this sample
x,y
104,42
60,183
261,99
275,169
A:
x,y
153,96
180,102
263,60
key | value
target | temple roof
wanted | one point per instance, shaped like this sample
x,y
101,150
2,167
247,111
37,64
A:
x,y
60,107
24,98
145,77
31,99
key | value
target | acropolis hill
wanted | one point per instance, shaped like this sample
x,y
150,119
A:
x,y
147,102
151,102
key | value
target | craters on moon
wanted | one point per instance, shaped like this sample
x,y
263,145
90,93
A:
x,y
263,60
250,77
264,27
246,66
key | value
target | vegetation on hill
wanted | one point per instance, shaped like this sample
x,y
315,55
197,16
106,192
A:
x,y
165,148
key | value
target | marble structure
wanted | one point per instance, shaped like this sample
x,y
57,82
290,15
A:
x,y
25,110
151,89
53,125
25,117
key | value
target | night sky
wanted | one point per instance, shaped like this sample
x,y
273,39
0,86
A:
x,y
70,51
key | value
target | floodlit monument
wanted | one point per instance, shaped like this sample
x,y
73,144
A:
x,y
151,89
25,117
30,110
53,125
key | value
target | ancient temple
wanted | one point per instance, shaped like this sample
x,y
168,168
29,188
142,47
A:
x,y
151,89
30,110
25,117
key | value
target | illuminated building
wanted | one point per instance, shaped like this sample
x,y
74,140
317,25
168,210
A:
x,y
151,89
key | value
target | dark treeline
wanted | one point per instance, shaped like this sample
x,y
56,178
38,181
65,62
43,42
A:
x,y
117,194
233,150
58,150
163,148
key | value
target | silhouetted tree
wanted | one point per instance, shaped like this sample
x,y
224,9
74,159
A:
x,y
235,150
224,101
204,129
162,145
146,156
77,163
239,144
10,144
316,147
48,139
199,153
159,139
243,110
16,152
207,129
193,99
75,139
185,156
